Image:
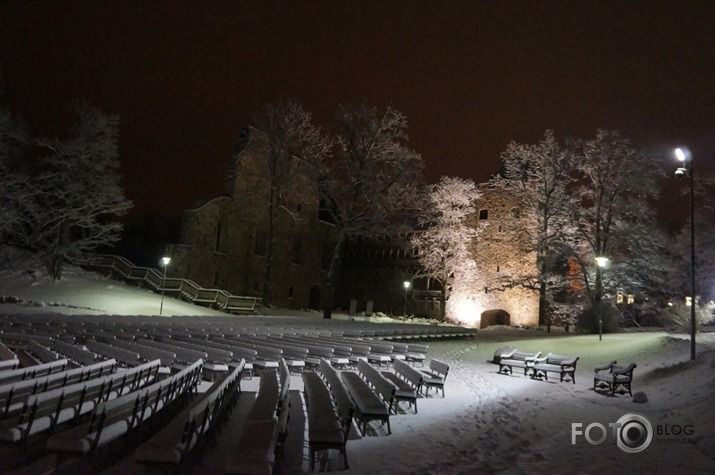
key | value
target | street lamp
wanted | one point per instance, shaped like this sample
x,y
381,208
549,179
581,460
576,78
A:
x,y
165,261
406,284
684,155
601,262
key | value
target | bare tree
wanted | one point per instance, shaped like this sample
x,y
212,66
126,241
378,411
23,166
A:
x,y
539,176
615,216
15,190
78,191
444,237
372,182
294,151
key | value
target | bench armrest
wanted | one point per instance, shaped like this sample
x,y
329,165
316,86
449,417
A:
x,y
569,362
605,367
624,369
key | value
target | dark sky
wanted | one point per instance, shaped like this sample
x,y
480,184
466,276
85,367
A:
x,y
470,76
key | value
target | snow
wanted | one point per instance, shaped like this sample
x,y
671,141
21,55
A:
x,y
487,422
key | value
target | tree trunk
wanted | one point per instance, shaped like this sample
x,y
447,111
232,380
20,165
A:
x,y
331,278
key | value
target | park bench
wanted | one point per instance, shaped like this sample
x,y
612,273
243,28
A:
x,y
416,353
565,366
13,395
369,405
9,365
434,376
408,381
329,417
516,359
76,354
34,371
612,376
113,419
256,448
125,357
173,445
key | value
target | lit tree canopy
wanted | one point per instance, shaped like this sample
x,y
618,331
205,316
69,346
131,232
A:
x,y
444,237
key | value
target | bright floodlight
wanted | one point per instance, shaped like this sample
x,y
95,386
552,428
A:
x,y
406,284
165,261
602,261
681,154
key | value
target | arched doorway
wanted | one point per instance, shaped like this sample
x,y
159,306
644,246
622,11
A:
x,y
314,298
496,316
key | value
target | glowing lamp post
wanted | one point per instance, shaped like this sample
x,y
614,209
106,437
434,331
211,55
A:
x,y
406,284
165,262
601,263
684,155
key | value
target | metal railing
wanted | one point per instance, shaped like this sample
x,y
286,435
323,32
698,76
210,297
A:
x,y
184,288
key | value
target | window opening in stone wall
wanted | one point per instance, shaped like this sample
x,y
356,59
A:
x,y
619,298
515,213
256,286
290,292
631,299
218,236
497,268
297,245
483,214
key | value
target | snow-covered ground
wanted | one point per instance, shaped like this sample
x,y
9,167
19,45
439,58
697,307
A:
x,y
488,422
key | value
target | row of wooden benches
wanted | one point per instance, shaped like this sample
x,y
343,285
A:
x,y
177,350
369,394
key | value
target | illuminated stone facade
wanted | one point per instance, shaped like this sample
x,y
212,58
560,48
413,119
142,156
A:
x,y
497,252
223,245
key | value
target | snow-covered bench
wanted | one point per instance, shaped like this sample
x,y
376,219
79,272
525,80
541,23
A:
x,y
435,376
517,359
329,418
565,366
369,406
612,376
408,381
173,444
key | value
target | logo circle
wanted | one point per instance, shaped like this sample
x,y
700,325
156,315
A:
x,y
634,433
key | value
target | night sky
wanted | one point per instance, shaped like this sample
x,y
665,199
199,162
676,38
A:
x,y
470,76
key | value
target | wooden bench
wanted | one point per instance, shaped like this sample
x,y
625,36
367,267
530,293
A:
x,y
385,387
9,365
78,355
329,418
13,395
172,445
612,376
517,359
34,371
408,381
416,353
564,365
255,453
117,417
434,376
126,357
369,405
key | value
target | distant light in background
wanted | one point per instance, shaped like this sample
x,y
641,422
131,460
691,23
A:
x,y
165,262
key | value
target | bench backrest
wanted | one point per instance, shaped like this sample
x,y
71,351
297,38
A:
x,y
439,367
523,356
73,352
407,372
34,371
382,385
561,360
624,372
